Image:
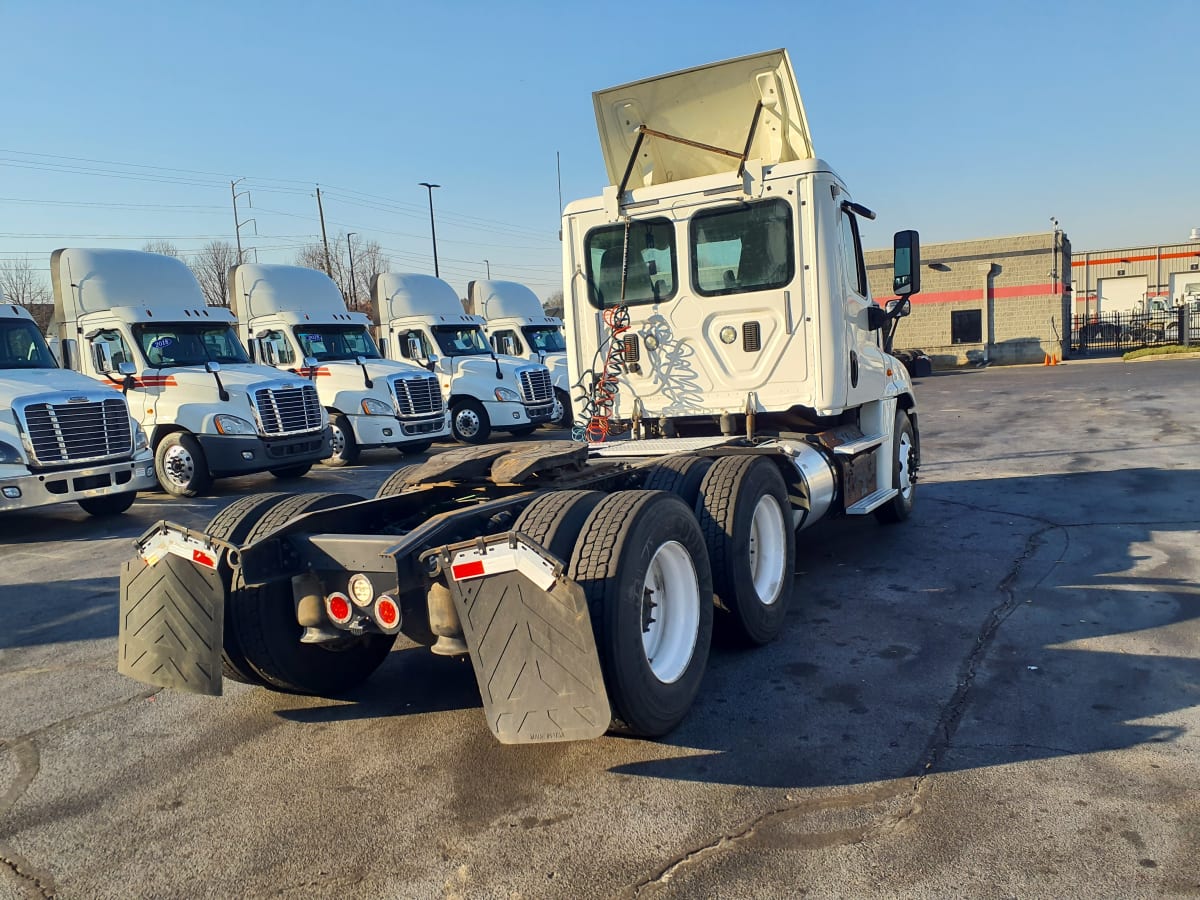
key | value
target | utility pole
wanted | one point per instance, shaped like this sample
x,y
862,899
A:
x,y
353,287
558,165
237,224
324,239
432,227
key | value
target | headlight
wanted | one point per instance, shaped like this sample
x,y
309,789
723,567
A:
x,y
139,435
374,407
504,395
233,425
10,455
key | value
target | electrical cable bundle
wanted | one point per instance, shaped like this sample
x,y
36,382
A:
x,y
598,404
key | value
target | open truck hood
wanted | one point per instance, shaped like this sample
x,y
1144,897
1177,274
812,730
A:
x,y
711,105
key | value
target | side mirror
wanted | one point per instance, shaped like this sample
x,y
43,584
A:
x,y
310,362
906,264
267,352
897,309
414,347
126,368
360,360
876,317
212,366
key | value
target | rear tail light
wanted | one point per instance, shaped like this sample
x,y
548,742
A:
x,y
338,608
386,613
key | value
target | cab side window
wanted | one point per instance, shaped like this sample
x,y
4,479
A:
x,y
506,341
108,345
852,256
284,354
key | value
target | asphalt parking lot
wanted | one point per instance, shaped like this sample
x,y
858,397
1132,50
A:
x,y
1000,697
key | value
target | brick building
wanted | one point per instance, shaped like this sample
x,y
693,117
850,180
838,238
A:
x,y
999,300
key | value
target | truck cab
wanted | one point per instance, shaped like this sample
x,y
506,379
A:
x,y
420,319
721,274
517,325
287,314
63,437
208,410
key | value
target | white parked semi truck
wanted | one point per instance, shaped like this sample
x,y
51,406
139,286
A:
x,y
421,320
208,411
721,322
517,325
287,314
63,437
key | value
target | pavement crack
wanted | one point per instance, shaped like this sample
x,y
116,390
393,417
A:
x,y
39,880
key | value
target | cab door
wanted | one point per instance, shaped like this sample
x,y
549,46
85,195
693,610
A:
x,y
867,374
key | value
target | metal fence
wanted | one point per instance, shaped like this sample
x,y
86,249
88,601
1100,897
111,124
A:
x,y
1119,332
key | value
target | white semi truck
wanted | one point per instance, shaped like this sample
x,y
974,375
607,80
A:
x,y
63,437
421,319
517,325
209,412
289,313
721,324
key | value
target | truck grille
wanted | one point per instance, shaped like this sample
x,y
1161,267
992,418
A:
x,y
288,410
536,386
78,432
418,395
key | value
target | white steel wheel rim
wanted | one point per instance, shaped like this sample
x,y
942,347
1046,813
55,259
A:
x,y
904,449
768,549
179,466
670,612
558,410
339,441
467,422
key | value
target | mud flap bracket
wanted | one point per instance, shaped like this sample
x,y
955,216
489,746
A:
x,y
530,639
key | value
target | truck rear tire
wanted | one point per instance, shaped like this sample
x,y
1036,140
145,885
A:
x,y
264,620
232,524
394,483
345,448
746,518
469,421
643,566
181,466
109,504
681,475
904,450
555,519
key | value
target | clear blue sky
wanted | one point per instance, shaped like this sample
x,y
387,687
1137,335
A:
x,y
126,121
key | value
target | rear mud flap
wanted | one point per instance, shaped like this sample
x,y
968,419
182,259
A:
x,y
172,624
531,642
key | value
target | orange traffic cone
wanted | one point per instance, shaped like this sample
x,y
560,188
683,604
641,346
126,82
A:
x,y
1046,362
1054,359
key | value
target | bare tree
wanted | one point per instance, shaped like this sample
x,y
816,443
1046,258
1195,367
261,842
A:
x,y
166,248
369,261
211,267
22,283
554,304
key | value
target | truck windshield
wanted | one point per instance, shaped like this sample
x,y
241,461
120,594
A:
x,y
335,342
545,338
461,340
170,344
23,347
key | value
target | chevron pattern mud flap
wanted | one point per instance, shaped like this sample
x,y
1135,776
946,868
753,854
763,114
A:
x,y
531,642
172,624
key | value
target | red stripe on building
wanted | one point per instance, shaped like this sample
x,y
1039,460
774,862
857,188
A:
x,y
1149,257
996,293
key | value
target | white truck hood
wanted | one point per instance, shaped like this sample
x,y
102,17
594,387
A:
x,y
15,383
712,105
235,377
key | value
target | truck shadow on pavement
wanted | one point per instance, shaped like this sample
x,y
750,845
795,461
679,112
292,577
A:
x,y
986,631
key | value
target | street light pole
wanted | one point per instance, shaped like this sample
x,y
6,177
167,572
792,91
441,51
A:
x,y
432,227
353,288
489,269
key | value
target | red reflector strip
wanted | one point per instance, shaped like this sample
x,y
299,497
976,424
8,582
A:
x,y
471,569
199,556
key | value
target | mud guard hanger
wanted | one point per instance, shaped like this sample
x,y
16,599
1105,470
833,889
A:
x,y
644,130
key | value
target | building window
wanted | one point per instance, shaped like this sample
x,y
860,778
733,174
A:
x,y
966,326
